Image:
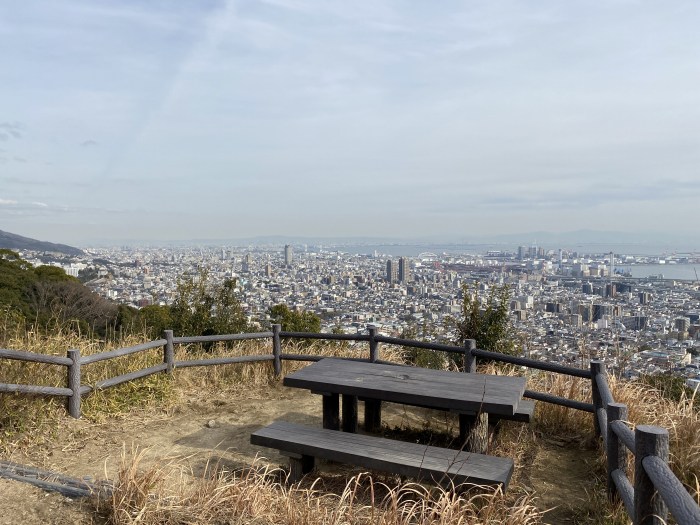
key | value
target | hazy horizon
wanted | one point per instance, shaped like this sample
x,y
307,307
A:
x,y
237,119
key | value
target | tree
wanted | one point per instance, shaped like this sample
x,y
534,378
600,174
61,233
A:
x,y
489,325
155,319
293,321
205,308
46,296
421,357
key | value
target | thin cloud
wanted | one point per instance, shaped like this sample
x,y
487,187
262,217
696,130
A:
x,y
7,202
89,143
10,130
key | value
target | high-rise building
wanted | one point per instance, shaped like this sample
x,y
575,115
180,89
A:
x,y
404,270
392,271
288,254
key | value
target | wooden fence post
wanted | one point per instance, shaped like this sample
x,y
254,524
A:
x,y
469,358
73,402
169,352
649,507
373,344
596,367
616,451
277,349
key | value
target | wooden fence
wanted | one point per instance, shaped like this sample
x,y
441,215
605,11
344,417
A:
x,y
655,492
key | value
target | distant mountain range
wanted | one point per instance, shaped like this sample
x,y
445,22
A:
x,y
17,242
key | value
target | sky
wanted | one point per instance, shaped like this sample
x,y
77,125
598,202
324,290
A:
x,y
169,120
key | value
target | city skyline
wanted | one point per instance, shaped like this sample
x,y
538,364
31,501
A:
x,y
219,120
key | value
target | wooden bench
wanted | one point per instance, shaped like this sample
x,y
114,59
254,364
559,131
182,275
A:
x,y
524,413
442,466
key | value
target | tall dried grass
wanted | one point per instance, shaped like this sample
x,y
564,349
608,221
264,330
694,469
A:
x,y
171,495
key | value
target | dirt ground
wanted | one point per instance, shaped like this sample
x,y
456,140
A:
x,y
217,428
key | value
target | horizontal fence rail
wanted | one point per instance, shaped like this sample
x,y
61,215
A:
x,y
36,390
31,357
221,338
648,498
223,360
121,352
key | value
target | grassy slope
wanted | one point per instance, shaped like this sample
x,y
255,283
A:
x,y
31,423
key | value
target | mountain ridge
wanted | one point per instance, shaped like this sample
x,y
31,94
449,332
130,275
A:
x,y
12,241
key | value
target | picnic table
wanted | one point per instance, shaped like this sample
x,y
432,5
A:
x,y
472,396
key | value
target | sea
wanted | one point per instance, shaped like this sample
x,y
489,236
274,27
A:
x,y
669,271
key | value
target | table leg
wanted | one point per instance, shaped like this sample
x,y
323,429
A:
x,y
474,432
349,413
373,415
331,411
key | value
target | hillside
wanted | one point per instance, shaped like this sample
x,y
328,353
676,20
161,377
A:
x,y
13,241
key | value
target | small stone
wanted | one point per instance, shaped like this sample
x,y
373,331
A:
x,y
212,423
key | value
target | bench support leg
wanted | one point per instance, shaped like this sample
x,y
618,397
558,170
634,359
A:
x,y
474,432
298,466
349,413
373,415
331,411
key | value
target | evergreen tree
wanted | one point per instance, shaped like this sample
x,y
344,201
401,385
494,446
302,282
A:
x,y
489,323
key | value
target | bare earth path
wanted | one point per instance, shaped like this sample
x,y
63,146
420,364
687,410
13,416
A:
x,y
218,427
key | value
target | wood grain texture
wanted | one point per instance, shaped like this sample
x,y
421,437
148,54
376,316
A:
x,y
455,391
422,462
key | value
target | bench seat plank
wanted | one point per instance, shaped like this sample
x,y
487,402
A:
x,y
423,462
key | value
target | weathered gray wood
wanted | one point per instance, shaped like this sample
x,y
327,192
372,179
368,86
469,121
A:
x,y
601,416
331,411
121,352
423,462
604,388
596,368
125,378
624,433
373,415
649,507
73,383
169,352
681,504
523,414
276,349
25,471
373,344
224,337
557,400
68,491
301,357
35,390
349,413
328,337
531,363
32,357
223,360
453,391
469,357
624,490
474,432
616,451
299,466
419,344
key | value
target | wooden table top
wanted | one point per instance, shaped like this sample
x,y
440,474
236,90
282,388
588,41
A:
x,y
454,391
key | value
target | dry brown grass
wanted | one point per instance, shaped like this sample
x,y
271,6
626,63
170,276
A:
x,y
259,494
29,422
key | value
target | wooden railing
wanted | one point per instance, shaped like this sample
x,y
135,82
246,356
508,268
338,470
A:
x,y
655,492
656,489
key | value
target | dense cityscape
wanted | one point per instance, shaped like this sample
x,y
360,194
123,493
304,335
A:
x,y
567,307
